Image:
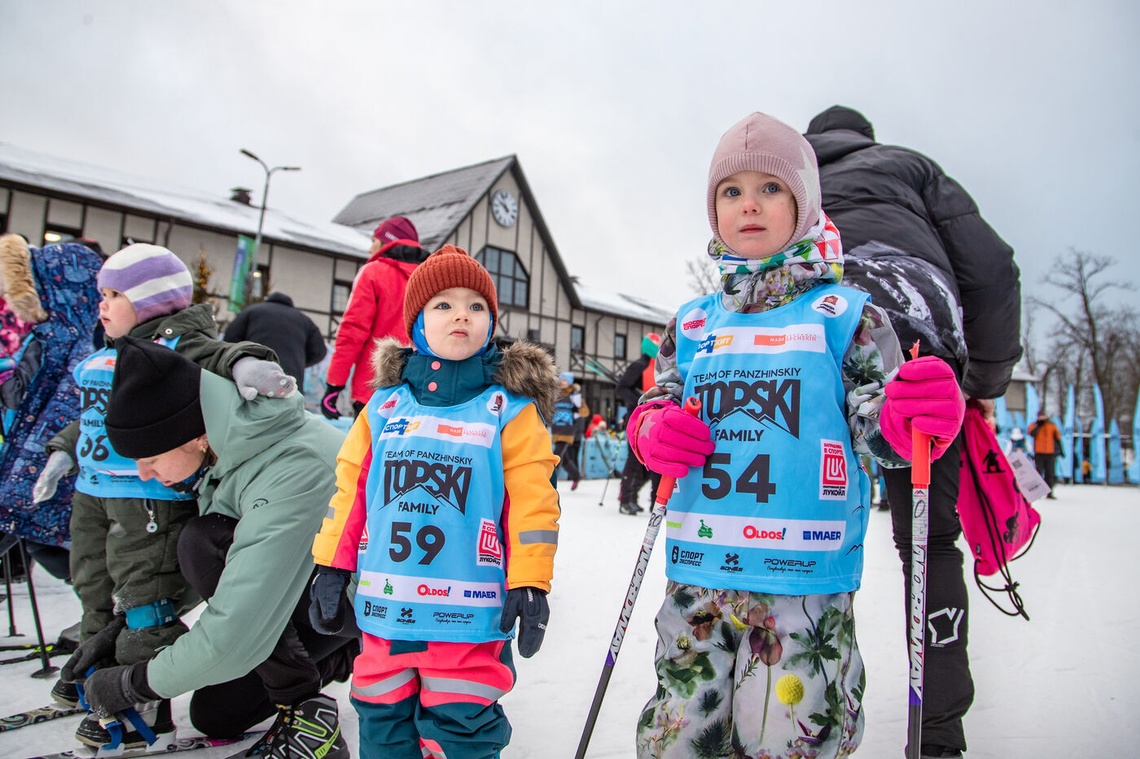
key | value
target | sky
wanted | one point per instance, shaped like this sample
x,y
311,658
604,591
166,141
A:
x,y
613,109
1061,685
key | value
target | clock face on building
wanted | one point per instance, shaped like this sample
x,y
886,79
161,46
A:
x,y
504,207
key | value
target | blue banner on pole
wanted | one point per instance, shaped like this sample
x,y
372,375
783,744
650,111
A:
x,y
1115,462
1096,440
1066,459
1134,469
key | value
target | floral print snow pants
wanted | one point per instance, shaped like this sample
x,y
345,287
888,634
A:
x,y
754,676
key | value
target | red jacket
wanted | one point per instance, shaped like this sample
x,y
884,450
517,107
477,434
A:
x,y
375,310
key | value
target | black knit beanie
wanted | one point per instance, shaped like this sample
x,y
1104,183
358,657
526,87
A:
x,y
154,406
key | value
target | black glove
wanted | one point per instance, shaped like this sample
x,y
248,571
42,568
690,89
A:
x,y
328,402
97,651
115,689
530,607
329,603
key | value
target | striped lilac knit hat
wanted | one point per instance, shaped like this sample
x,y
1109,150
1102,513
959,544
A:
x,y
155,281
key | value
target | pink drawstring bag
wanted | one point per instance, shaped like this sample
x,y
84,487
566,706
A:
x,y
997,520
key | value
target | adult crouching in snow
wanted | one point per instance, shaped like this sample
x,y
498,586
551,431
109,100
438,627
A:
x,y
263,471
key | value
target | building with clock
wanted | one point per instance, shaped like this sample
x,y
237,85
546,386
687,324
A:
x,y
487,209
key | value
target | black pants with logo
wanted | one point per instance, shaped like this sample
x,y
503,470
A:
x,y
300,664
948,689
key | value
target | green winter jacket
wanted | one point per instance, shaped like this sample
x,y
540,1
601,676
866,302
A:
x,y
275,474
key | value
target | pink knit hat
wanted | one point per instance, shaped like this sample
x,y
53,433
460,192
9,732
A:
x,y
396,228
762,143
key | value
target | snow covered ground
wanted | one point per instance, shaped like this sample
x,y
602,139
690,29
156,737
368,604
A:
x,y
1065,684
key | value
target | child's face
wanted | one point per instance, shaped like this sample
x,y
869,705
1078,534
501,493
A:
x,y
116,313
755,214
175,465
456,322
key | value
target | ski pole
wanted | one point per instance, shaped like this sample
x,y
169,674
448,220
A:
x,y
609,467
656,516
919,521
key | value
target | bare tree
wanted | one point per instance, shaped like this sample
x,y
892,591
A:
x,y
704,277
1094,329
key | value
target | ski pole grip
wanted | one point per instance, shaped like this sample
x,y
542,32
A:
x,y
919,445
920,458
692,406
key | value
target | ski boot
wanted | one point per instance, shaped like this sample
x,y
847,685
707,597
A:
x,y
156,714
311,728
940,752
65,694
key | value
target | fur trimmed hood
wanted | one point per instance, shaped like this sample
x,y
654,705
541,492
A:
x,y
19,287
523,368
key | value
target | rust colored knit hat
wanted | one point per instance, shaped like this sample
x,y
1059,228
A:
x,y
446,268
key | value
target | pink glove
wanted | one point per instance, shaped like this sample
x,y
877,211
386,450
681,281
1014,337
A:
x,y
924,394
668,440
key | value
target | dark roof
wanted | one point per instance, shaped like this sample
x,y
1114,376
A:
x,y
439,203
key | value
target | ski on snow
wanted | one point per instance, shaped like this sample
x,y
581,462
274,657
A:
x,y
36,716
36,653
164,746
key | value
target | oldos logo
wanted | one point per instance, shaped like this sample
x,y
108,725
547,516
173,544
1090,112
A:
x,y
774,401
448,482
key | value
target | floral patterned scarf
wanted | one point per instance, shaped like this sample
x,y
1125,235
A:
x,y
754,285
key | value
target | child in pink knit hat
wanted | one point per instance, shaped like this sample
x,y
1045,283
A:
x,y
756,653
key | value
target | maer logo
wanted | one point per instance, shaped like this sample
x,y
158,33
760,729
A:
x,y
822,534
481,594
448,482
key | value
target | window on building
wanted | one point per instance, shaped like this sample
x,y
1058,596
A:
x,y
619,346
340,292
59,233
64,221
511,280
577,338
260,285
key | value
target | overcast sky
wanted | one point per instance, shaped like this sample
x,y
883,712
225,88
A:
x,y
613,108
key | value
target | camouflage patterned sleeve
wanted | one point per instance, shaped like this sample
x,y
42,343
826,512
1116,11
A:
x,y
668,384
871,361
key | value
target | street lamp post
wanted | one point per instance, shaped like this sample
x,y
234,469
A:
x,y
248,285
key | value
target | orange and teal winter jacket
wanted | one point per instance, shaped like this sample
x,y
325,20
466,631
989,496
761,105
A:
x,y
444,499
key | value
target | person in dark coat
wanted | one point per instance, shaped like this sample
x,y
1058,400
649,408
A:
x,y
915,240
635,380
277,324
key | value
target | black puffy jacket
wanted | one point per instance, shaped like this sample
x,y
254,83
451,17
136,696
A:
x,y
903,199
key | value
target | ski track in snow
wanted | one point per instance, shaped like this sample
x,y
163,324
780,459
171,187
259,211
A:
x,y
1065,684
